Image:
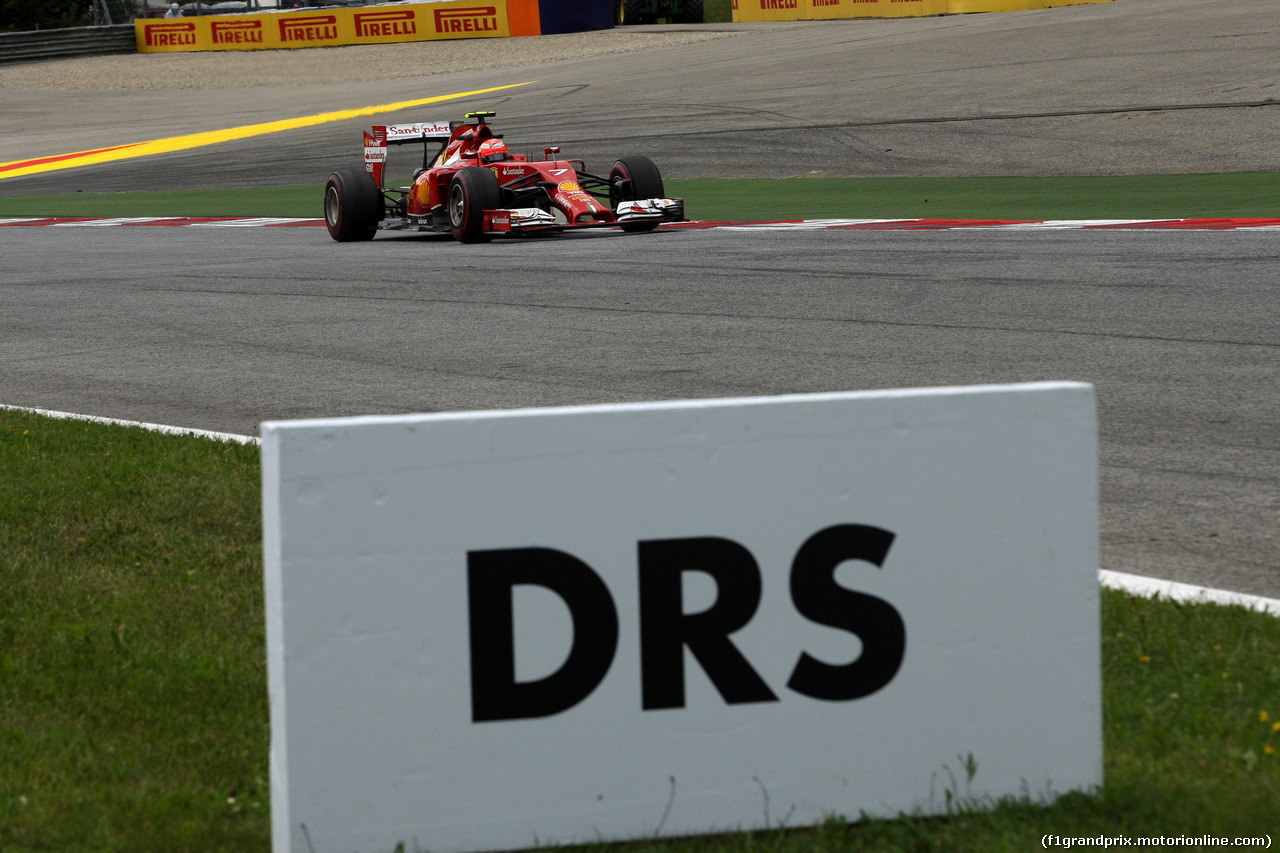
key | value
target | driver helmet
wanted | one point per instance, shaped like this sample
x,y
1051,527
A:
x,y
493,150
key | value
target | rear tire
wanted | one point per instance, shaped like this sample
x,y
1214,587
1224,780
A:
x,y
634,178
472,191
352,206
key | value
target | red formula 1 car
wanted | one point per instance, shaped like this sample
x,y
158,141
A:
x,y
474,188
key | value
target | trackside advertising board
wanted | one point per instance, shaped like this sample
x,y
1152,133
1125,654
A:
x,y
335,25
497,630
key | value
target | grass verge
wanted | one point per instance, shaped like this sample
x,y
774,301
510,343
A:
x,y
1236,194
133,709
132,672
255,201
1245,195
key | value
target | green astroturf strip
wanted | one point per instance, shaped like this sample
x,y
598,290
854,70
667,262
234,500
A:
x,y
256,201
1237,194
1124,197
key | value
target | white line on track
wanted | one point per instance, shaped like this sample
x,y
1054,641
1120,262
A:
x,y
98,223
254,223
990,225
797,225
169,430
1066,224
1185,592
802,225
1135,584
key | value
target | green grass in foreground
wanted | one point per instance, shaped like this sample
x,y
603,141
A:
x,y
133,709
1236,194
132,705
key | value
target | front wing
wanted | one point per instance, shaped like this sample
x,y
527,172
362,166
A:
x,y
529,220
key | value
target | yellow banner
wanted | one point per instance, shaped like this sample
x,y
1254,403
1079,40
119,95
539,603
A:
x,y
805,10
449,19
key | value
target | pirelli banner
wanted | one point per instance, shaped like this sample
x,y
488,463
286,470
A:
x,y
803,10
448,19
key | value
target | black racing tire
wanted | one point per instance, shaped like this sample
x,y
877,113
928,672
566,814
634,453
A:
x,y
472,191
352,205
692,12
632,178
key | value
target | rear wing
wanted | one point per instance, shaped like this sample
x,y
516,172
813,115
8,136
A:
x,y
399,134
382,135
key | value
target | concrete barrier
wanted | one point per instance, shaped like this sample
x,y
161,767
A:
x,y
65,43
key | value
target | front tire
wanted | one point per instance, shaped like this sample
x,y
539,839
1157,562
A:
x,y
472,191
634,178
352,206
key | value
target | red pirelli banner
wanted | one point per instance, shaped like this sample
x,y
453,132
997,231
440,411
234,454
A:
x,y
446,19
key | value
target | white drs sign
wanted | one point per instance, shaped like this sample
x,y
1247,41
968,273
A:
x,y
496,630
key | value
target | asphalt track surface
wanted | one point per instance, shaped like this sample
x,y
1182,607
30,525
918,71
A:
x,y
1136,86
221,328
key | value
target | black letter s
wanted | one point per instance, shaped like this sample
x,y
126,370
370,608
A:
x,y
873,620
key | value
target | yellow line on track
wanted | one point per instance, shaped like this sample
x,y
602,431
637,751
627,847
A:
x,y
19,168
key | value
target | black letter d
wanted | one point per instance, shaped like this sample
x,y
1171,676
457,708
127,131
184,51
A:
x,y
495,693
